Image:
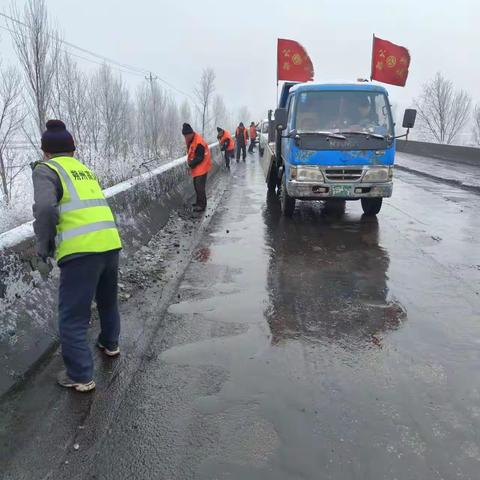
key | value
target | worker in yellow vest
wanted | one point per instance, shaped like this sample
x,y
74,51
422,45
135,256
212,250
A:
x,y
74,224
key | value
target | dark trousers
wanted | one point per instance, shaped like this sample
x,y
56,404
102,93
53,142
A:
x,y
243,149
252,145
200,185
81,280
228,156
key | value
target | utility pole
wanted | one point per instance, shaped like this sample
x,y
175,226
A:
x,y
151,78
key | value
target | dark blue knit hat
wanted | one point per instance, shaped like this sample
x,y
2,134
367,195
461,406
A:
x,y
186,129
56,138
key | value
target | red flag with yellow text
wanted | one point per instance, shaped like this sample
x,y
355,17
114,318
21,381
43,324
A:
x,y
390,62
293,62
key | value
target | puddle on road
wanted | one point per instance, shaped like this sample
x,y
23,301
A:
x,y
341,346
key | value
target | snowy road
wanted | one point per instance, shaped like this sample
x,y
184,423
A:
x,y
311,348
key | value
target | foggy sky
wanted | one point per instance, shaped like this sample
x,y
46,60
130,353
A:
x,y
176,39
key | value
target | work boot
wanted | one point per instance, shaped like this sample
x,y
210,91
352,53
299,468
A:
x,y
110,352
65,381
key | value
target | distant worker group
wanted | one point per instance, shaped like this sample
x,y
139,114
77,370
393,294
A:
x,y
237,147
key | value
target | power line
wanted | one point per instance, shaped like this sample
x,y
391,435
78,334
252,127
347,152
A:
x,y
84,50
127,72
126,67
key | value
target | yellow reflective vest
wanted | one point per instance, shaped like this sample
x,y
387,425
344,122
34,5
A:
x,y
86,223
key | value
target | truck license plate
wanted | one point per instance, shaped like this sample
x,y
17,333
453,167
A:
x,y
341,190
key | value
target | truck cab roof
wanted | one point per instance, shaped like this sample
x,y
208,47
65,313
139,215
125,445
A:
x,y
361,86
290,87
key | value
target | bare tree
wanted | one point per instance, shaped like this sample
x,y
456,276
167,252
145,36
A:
x,y
204,93
115,111
151,104
11,119
93,124
70,98
171,129
37,46
219,114
185,112
476,124
442,111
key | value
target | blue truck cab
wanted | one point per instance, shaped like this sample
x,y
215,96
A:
x,y
334,142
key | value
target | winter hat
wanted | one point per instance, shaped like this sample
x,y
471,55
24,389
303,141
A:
x,y
219,129
186,129
56,138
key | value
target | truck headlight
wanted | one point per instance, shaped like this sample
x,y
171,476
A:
x,y
308,173
378,174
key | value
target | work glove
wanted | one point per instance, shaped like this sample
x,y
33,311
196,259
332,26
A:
x,y
42,265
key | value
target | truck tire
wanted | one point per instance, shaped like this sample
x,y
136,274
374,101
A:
x,y
286,201
371,206
273,179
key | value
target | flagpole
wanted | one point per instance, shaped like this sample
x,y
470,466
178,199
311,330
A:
x,y
276,99
373,55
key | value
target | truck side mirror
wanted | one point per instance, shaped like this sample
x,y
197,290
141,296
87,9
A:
x,y
280,119
409,118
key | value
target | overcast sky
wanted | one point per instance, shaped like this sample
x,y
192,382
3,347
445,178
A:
x,y
176,39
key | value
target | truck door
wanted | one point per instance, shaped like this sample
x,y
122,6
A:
x,y
288,143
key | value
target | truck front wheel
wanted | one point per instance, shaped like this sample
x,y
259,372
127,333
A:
x,y
287,202
371,206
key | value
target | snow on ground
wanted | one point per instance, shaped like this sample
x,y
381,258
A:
x,y
19,210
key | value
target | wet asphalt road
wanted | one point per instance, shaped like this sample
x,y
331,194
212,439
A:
x,y
320,347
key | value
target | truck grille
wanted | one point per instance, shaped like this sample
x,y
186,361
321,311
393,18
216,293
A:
x,y
343,174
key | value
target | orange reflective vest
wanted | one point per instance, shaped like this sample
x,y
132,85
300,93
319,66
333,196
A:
x,y
206,164
253,132
227,136
245,134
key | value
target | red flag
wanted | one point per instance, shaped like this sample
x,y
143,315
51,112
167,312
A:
x,y
293,62
390,62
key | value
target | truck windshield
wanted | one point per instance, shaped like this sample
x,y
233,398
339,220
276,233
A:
x,y
344,111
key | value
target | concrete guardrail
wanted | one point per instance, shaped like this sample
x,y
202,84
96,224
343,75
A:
x,y
448,153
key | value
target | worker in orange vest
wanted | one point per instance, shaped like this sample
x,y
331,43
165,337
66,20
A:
x,y
253,137
227,145
241,139
199,160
